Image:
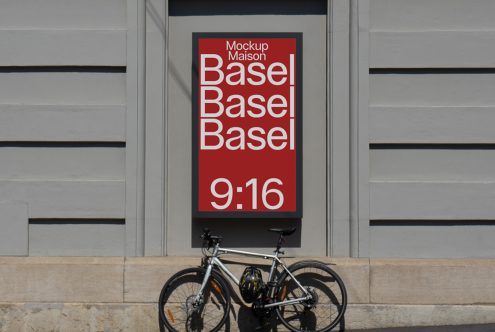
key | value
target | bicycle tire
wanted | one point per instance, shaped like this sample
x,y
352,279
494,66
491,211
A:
x,y
330,300
175,302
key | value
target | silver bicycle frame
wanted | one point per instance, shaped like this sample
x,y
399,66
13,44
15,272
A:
x,y
275,262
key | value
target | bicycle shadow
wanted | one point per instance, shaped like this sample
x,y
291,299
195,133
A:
x,y
248,322
310,320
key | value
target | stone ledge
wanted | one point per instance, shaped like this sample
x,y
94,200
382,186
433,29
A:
x,y
8,260
367,316
144,277
55,279
433,262
143,317
414,281
76,317
139,280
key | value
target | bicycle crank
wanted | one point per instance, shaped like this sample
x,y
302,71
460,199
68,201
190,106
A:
x,y
259,309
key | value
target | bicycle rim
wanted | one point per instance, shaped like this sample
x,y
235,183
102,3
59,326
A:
x,y
329,302
176,303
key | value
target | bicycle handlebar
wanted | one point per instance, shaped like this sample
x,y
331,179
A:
x,y
206,234
210,240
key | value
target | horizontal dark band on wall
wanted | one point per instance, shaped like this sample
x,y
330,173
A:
x,y
17,144
432,146
51,221
63,69
246,7
432,71
432,222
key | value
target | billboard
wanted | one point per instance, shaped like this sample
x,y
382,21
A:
x,y
247,125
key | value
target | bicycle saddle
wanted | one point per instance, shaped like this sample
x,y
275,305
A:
x,y
283,231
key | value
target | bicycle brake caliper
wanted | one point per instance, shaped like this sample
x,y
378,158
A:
x,y
312,300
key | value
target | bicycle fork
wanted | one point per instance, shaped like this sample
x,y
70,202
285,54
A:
x,y
198,299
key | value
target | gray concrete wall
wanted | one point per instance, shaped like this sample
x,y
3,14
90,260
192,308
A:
x,y
431,137
398,141
62,127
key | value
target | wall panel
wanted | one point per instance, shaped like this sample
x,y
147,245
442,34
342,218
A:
x,y
63,14
429,200
432,110
76,238
432,49
436,239
62,122
62,161
428,87
427,15
67,199
432,124
59,86
425,162
63,47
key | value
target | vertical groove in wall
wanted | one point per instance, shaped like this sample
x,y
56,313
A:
x,y
133,203
338,128
141,126
155,132
154,128
130,134
164,231
363,138
354,129
329,244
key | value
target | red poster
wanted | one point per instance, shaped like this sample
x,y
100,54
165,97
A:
x,y
247,125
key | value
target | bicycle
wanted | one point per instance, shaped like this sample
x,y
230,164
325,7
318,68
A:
x,y
306,296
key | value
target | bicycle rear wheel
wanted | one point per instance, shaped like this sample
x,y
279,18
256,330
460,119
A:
x,y
176,306
329,297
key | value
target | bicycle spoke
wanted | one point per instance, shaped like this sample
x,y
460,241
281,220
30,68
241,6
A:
x,y
181,311
325,307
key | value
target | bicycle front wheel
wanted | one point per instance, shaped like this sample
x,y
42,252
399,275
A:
x,y
328,300
179,310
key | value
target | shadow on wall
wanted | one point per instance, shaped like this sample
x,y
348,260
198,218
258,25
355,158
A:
x,y
247,233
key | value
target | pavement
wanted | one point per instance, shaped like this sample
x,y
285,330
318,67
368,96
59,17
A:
x,y
457,328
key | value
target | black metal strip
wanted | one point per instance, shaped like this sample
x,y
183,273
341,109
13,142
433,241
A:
x,y
432,71
75,221
446,223
63,69
246,7
31,144
432,146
